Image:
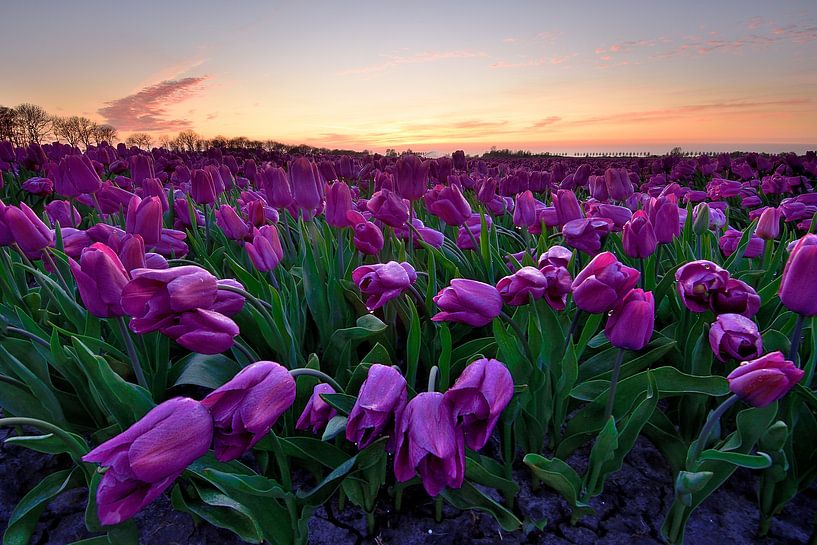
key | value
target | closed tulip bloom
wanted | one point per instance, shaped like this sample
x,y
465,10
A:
x,y
141,167
74,241
383,282
265,250
306,183
276,186
517,288
768,226
75,176
111,199
144,460
603,283
619,186
630,325
735,336
64,213
638,237
131,252
218,181
378,407
233,226
154,297
228,303
468,302
567,206
389,208
144,218
448,204
524,213
38,186
618,215
665,219
246,407
338,202
202,187
201,330
558,285
468,241
736,297
698,281
586,234
29,232
317,412
731,239
181,209
100,278
477,399
764,380
368,238
412,177
798,290
429,444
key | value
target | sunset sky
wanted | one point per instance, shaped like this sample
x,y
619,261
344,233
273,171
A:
x,y
433,76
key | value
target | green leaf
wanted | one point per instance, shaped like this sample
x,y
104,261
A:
x,y
413,341
335,427
470,497
208,371
26,514
603,451
561,477
342,402
761,460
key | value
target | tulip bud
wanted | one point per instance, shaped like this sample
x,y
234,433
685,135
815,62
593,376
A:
x,y
700,223
246,407
798,290
763,381
448,204
477,399
638,238
602,283
412,177
516,289
735,336
378,408
28,230
524,213
144,460
768,226
203,188
265,250
306,184
338,202
100,278
630,325
469,302
144,218
429,444
317,412
567,206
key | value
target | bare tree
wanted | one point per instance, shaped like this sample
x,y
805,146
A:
x,y
8,125
188,140
34,122
105,133
86,129
141,140
66,128
165,141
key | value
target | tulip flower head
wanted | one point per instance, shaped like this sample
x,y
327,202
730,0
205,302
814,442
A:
x,y
378,408
764,380
469,302
383,282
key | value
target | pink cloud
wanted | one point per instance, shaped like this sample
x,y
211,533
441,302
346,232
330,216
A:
x,y
146,110
540,61
546,122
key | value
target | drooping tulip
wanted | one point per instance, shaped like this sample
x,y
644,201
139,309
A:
x,y
144,460
603,283
764,380
368,238
383,282
630,325
448,204
317,412
798,290
100,278
469,302
29,232
378,407
246,407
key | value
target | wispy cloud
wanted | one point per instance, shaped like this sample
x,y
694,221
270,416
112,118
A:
x,y
527,63
393,60
546,122
146,110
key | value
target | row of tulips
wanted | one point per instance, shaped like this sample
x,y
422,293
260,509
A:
x,y
364,273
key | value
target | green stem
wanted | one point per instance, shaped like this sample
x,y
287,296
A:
x,y
244,350
207,223
432,379
611,394
520,334
255,301
77,449
796,339
132,355
438,509
711,421
306,371
28,335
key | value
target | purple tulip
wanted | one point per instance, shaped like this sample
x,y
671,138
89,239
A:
x,y
64,213
383,282
389,208
233,226
736,297
698,281
665,219
468,302
203,188
412,177
38,186
74,241
75,176
735,336
477,399
368,238
768,226
201,330
798,290
141,167
731,239
265,250
630,325
471,232
524,213
306,184
144,218
558,256
448,204
763,381
276,187
586,234
246,407
338,202
378,408
517,288
317,412
100,278
111,198
603,283
144,460
558,285
430,444
29,232
567,206
638,237
619,186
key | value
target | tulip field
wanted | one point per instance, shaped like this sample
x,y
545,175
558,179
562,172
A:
x,y
264,340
